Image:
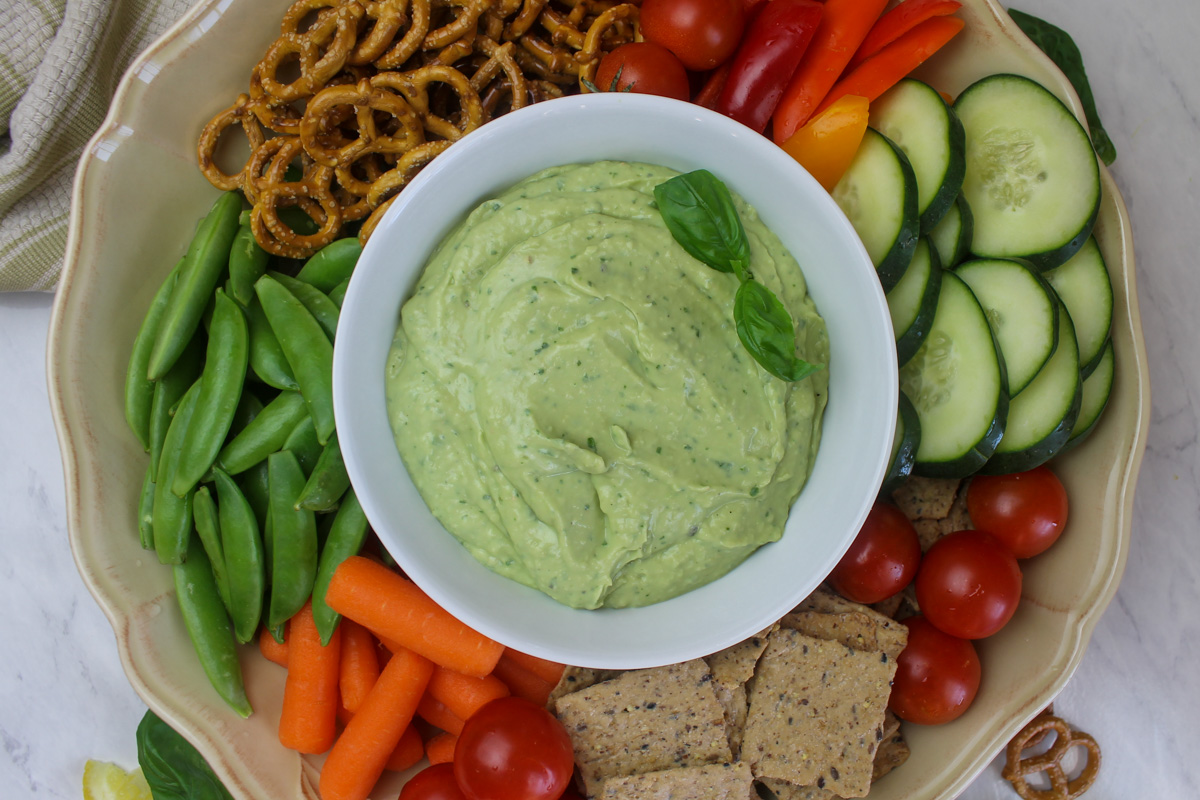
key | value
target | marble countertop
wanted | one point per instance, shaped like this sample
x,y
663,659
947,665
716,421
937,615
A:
x,y
64,697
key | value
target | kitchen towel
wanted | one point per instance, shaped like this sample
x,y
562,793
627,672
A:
x,y
60,61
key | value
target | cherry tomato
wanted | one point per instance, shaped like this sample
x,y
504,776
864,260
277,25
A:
x,y
1026,511
645,67
968,584
512,749
882,560
433,783
937,675
702,33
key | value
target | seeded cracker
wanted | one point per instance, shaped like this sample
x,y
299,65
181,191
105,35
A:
x,y
787,791
731,668
815,707
710,782
926,498
858,630
575,679
892,753
645,721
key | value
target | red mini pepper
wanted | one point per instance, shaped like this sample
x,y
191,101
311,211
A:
x,y
773,45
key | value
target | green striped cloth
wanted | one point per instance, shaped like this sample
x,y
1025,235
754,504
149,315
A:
x,y
60,61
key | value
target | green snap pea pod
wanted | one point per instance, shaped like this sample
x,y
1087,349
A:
x,y
208,527
220,391
209,627
293,540
303,443
139,390
308,350
145,511
247,263
338,293
172,513
202,266
243,549
266,356
332,264
328,480
167,394
253,483
264,435
316,301
345,539
248,408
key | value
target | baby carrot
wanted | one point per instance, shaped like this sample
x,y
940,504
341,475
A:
x,y
360,664
440,749
308,720
361,753
408,752
434,712
393,607
549,671
273,650
463,695
521,682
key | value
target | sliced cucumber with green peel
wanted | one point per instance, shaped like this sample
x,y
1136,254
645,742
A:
x,y
1085,289
1023,312
956,383
878,194
917,120
1032,178
913,301
1097,388
1041,418
952,236
904,446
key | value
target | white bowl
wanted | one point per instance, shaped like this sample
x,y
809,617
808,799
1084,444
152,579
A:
x,y
859,420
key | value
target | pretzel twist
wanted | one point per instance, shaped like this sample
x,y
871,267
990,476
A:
x,y
240,113
365,99
1017,769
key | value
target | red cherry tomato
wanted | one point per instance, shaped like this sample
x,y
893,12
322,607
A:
x,y
433,783
702,33
645,67
937,675
968,584
512,749
882,560
1026,511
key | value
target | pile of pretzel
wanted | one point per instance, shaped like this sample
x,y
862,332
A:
x,y
356,96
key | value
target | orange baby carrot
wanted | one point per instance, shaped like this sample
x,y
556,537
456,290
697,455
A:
x,y
440,748
361,753
308,721
521,682
273,650
434,712
549,671
899,21
393,607
408,752
360,664
463,695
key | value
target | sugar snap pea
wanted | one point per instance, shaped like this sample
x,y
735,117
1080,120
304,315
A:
x,y
243,549
220,390
169,391
206,258
332,264
264,435
145,511
308,350
173,514
208,527
247,409
209,627
302,441
266,356
247,263
253,483
345,539
317,302
328,480
293,540
139,390
338,293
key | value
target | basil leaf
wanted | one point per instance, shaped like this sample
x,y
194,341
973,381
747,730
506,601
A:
x,y
1058,44
174,769
700,214
765,328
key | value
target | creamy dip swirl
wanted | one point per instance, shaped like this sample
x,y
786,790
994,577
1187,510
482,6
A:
x,y
571,399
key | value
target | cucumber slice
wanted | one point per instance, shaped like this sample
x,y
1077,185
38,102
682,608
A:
x,y
1032,177
1040,419
1097,388
1085,289
917,120
878,194
956,383
913,301
952,236
1023,312
904,446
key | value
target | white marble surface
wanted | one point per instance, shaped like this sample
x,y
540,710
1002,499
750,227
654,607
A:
x,y
64,697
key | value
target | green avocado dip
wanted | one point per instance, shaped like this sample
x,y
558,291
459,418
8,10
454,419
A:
x,y
570,397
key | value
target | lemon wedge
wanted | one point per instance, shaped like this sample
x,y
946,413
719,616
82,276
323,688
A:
x,y
105,781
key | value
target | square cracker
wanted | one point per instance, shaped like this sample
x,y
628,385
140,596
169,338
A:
x,y
789,791
575,679
709,782
892,752
735,704
735,664
926,498
859,630
645,721
815,709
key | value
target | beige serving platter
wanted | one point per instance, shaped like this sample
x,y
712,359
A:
x,y
137,197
